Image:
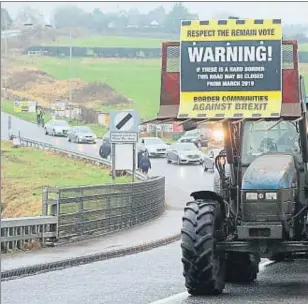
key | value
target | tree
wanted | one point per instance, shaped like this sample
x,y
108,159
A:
x,y
133,17
98,20
71,16
31,16
6,20
178,13
158,14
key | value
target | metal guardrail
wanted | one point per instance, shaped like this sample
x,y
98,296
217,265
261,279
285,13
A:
x,y
101,209
45,146
23,232
72,213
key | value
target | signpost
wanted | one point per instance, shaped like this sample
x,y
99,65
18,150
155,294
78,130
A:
x,y
124,130
25,106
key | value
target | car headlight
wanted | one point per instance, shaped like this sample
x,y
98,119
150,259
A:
x,y
218,135
251,196
182,156
271,195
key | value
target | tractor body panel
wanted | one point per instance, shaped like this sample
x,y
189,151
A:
x,y
270,172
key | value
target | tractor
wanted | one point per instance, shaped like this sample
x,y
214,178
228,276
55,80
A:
x,y
259,204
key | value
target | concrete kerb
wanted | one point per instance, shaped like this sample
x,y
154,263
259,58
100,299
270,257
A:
x,y
82,260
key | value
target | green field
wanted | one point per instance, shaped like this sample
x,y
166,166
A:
x,y
25,170
110,41
136,79
303,47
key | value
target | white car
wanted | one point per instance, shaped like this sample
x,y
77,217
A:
x,y
209,159
154,145
57,127
184,153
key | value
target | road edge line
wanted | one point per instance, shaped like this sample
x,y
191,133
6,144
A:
x,y
180,295
83,260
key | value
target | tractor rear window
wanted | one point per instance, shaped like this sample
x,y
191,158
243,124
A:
x,y
269,137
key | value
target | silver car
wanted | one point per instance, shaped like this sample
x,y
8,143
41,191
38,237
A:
x,y
184,153
81,134
154,145
57,127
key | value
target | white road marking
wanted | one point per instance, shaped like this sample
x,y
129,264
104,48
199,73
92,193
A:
x,y
262,265
179,296
184,295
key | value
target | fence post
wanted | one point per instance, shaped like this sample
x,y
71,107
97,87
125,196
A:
x,y
81,213
56,211
44,201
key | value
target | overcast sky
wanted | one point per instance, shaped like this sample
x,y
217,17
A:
x,y
290,12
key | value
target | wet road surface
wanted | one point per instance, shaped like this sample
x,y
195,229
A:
x,y
151,276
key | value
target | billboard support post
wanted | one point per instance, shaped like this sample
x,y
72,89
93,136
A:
x,y
113,161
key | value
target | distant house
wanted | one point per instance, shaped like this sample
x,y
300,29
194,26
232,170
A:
x,y
154,23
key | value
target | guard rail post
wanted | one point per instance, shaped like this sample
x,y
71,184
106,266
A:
x,y
44,200
54,212
81,214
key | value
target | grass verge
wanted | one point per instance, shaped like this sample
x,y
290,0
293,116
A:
x,y
24,171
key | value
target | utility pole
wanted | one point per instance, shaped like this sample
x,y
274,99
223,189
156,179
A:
x,y
70,76
5,61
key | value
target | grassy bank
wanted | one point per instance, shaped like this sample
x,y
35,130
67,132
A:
x,y
25,170
136,79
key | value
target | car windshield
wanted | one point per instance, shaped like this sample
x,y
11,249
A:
x,y
269,136
185,147
84,130
153,141
61,123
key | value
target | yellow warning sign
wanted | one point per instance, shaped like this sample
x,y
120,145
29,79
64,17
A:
x,y
231,68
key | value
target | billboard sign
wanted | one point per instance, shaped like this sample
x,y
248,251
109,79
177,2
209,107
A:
x,y
231,68
24,106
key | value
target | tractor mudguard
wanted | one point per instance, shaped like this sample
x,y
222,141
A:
x,y
211,195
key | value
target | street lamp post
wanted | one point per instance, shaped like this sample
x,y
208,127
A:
x,y
5,61
70,77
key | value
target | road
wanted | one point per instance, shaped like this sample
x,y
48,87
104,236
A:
x,y
180,180
148,277
153,275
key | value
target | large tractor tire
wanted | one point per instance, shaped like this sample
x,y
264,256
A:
x,y
204,267
241,267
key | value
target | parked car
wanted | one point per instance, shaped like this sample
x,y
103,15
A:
x,y
81,134
154,145
200,137
184,153
57,127
209,159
